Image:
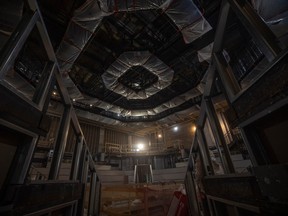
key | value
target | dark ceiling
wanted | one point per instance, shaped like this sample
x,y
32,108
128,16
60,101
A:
x,y
149,30
125,31
129,62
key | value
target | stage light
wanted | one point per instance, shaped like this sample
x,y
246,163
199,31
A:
x,y
194,128
140,146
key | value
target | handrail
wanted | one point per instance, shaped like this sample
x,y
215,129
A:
x,y
128,149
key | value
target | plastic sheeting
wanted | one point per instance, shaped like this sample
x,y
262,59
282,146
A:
x,y
187,18
80,29
268,9
145,59
171,119
275,14
205,53
86,20
184,13
161,108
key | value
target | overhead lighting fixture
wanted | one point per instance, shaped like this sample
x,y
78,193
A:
x,y
140,146
91,105
54,93
159,135
194,128
175,128
73,99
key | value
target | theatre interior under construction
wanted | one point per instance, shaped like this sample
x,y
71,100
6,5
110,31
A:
x,y
143,107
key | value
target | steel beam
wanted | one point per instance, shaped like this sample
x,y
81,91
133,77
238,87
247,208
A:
x,y
43,31
205,151
82,177
60,144
42,89
92,194
24,153
258,29
230,84
76,158
85,175
16,41
249,149
192,194
221,26
207,91
97,197
218,134
81,163
229,81
62,89
241,205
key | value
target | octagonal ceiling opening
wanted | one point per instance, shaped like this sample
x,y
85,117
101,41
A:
x,y
138,78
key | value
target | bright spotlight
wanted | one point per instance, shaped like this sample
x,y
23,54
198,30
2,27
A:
x,y
140,146
137,150
194,128
175,128
159,135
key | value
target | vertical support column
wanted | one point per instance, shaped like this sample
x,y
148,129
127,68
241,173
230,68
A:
x,y
60,144
155,162
227,76
69,210
44,85
192,194
83,164
146,205
130,141
224,71
248,146
97,197
82,177
101,140
24,156
48,95
222,20
204,150
218,134
76,158
92,194
210,206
